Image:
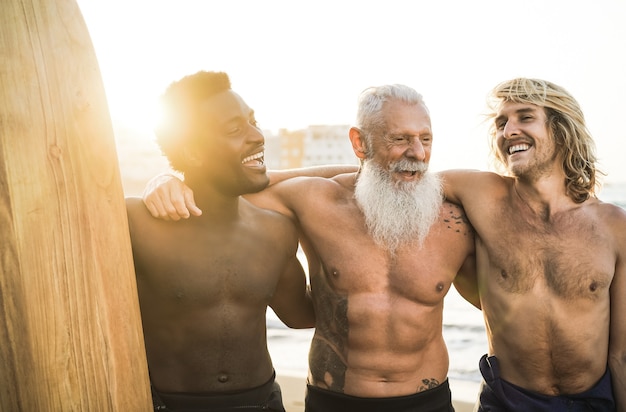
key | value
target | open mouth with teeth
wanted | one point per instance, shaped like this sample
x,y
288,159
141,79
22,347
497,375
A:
x,y
518,148
408,170
256,159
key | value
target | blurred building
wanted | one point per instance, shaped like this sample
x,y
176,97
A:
x,y
272,150
316,145
291,148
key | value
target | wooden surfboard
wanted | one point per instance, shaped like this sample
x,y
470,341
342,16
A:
x,y
70,327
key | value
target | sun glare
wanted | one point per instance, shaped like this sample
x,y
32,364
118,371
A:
x,y
132,111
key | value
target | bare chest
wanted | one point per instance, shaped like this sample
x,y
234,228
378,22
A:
x,y
205,269
350,262
569,258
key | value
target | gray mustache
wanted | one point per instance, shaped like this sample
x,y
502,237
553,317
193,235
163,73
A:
x,y
408,165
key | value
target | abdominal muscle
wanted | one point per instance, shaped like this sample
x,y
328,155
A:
x,y
557,347
394,348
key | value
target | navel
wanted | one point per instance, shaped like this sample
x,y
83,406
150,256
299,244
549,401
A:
x,y
504,274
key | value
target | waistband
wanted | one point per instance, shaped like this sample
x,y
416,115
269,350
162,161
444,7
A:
x,y
497,391
252,398
436,399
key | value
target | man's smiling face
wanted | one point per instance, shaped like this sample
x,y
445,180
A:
x,y
523,139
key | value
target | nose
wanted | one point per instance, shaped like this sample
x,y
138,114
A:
x,y
255,135
511,129
416,150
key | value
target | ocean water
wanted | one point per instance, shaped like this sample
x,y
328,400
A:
x,y
463,327
614,193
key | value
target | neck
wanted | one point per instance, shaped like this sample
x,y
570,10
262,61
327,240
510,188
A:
x,y
544,197
214,203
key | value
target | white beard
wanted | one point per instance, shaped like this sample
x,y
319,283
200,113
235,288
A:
x,y
396,212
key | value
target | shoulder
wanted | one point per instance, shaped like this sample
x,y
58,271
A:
x,y
140,226
135,208
469,186
140,222
270,220
273,230
464,178
132,202
614,216
607,219
305,187
263,215
469,174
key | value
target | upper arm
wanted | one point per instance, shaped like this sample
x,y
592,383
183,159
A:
x,y
328,171
618,303
618,285
139,228
466,281
617,337
133,207
280,197
459,184
292,301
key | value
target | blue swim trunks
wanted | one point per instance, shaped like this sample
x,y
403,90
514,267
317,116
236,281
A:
x,y
498,395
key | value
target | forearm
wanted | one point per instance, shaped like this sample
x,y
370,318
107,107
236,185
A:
x,y
327,171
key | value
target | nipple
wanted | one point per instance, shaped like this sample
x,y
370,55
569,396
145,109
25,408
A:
x,y
223,378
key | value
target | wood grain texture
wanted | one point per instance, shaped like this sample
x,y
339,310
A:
x,y
70,328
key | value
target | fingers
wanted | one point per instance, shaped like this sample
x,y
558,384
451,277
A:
x,y
174,202
155,208
159,204
151,198
190,202
168,198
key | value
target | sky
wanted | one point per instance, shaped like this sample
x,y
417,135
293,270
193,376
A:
x,y
300,63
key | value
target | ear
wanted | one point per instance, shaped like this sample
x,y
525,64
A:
x,y
191,159
358,144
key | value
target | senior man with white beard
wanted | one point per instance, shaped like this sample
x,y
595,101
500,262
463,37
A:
x,y
383,248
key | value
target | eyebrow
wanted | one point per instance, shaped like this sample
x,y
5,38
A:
x,y
246,116
522,110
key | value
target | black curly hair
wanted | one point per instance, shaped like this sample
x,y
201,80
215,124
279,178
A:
x,y
180,103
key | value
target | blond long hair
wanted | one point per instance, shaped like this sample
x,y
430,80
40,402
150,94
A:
x,y
566,124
